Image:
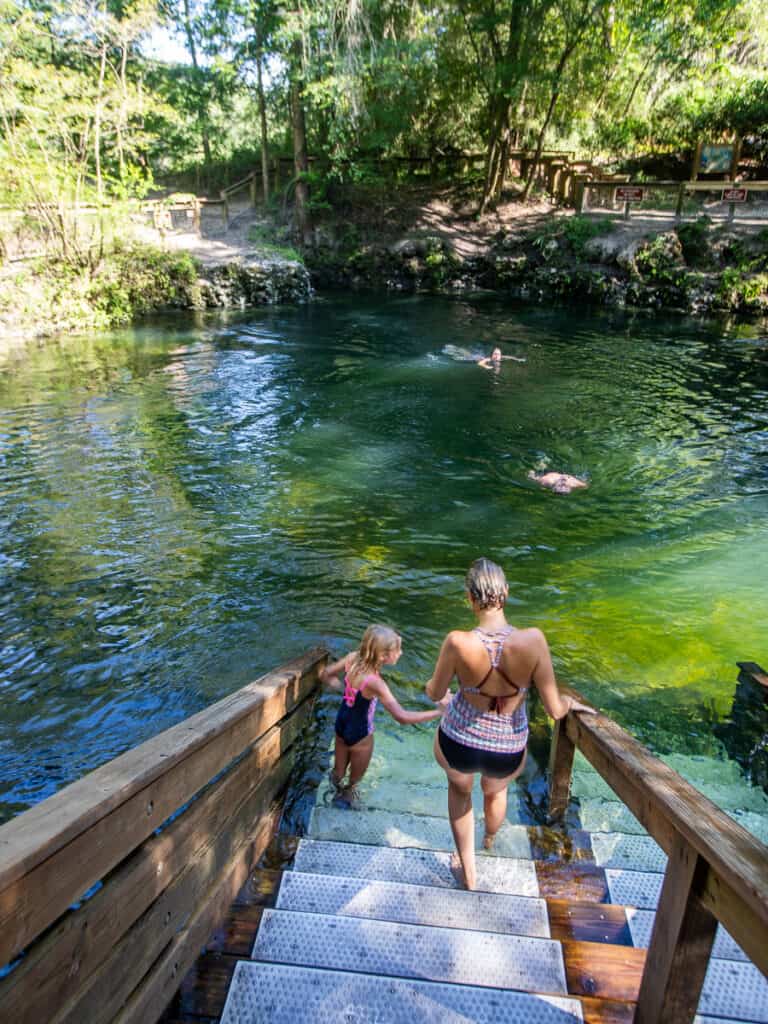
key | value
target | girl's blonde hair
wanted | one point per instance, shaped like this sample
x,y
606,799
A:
x,y
487,584
376,644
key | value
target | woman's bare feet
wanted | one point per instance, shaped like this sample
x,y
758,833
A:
x,y
457,870
488,839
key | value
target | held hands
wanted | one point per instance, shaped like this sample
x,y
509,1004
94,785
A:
x,y
444,701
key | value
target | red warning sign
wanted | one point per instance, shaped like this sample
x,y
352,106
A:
x,y
630,193
734,195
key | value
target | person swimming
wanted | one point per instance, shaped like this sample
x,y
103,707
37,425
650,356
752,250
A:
x,y
559,483
493,361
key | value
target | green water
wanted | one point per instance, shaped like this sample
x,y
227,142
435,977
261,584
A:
x,y
187,504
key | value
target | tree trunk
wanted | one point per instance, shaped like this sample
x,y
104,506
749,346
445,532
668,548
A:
x,y
202,113
300,161
263,121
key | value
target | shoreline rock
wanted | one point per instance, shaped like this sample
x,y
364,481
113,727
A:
x,y
654,271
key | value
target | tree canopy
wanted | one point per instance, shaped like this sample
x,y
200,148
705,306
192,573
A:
x,y
84,112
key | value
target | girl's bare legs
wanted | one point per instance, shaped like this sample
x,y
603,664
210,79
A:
x,y
359,759
461,817
495,803
340,762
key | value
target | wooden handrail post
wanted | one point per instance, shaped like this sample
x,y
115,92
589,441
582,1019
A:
x,y
681,943
225,208
561,755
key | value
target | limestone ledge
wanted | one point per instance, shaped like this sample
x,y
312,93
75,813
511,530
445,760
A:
x,y
702,274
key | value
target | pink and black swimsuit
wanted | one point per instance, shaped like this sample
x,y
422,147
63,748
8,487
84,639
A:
x,y
354,720
486,741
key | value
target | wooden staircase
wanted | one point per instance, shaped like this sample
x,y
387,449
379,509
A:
x,y
376,929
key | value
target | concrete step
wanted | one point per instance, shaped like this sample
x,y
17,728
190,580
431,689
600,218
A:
x,y
458,956
387,828
413,866
279,994
413,904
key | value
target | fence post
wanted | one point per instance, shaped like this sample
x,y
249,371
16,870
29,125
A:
x,y
580,192
252,189
561,755
680,199
681,943
225,208
196,220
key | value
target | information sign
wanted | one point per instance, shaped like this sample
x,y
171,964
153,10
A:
x,y
716,159
630,194
734,195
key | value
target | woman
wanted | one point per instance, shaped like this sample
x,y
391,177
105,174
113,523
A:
x,y
485,727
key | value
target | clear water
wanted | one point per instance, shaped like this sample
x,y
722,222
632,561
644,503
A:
x,y
189,503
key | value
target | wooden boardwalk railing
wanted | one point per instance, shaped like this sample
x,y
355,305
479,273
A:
x,y
109,888
716,870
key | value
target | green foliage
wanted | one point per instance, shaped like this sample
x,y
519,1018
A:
x,y
568,236
660,260
140,279
739,288
695,242
261,238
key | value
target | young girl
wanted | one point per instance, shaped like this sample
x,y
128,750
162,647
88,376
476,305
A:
x,y
363,688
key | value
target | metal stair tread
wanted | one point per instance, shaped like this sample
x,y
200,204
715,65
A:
x,y
415,951
641,923
621,850
384,828
413,866
413,904
278,994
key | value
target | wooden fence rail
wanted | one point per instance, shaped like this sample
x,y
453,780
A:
x,y
110,887
716,870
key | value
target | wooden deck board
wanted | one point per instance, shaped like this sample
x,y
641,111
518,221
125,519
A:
x,y
578,880
602,970
588,922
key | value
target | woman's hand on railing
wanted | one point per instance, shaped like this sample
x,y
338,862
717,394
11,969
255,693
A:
x,y
577,705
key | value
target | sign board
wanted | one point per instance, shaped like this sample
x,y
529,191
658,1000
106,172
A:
x,y
630,193
734,195
716,159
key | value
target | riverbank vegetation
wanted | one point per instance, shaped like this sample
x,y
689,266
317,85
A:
x,y
323,97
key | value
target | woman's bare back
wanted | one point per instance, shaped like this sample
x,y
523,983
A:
x,y
517,662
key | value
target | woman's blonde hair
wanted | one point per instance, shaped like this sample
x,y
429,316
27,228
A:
x,y
487,584
376,644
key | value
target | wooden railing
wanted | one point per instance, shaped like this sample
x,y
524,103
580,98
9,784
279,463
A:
x,y
716,871
109,889
605,190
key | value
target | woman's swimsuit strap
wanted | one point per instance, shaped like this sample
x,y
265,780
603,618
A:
x,y
493,642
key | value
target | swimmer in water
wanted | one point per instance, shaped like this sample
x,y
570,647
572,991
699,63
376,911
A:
x,y
493,361
560,483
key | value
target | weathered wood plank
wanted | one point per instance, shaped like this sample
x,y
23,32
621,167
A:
x,y
552,844
158,987
608,972
667,805
588,922
597,1011
102,996
56,851
204,989
578,880
561,754
60,963
237,932
680,946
